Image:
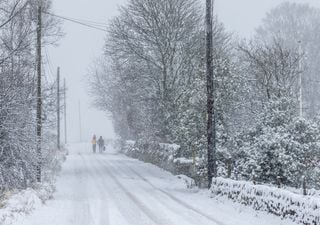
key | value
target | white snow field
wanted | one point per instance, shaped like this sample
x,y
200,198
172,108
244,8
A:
x,y
112,189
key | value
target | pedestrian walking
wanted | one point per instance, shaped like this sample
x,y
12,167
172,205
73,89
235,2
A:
x,y
94,143
101,144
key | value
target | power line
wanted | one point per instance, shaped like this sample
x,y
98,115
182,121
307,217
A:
x,y
77,21
49,66
90,22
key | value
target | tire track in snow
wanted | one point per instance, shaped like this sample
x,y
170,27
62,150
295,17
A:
x,y
155,218
187,215
105,187
81,212
105,220
182,203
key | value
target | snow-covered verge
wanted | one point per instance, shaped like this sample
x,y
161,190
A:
x,y
310,192
160,154
18,203
283,203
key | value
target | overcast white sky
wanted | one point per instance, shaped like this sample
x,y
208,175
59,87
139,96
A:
x,y
81,45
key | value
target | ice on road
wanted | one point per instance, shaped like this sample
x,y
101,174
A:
x,y
112,189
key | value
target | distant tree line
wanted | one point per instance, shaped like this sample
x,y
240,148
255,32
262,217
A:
x,y
151,80
18,156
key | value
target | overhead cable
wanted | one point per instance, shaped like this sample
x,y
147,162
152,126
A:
x,y
78,21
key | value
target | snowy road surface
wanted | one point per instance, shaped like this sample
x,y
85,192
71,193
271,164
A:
x,y
112,189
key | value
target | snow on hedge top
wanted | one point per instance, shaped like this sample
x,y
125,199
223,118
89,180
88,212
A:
x,y
183,160
130,143
173,147
302,209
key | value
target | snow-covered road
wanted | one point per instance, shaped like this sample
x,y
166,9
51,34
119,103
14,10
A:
x,y
114,189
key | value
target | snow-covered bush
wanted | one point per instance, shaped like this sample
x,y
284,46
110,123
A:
x,y
299,208
52,158
160,154
281,148
15,203
24,202
189,182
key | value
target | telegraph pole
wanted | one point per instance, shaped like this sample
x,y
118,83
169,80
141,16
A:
x,y
80,126
300,81
39,97
211,132
58,108
65,110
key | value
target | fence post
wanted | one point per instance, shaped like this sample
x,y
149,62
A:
x,y
254,178
229,165
279,181
304,185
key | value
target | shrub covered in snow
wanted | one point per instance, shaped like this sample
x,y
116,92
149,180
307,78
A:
x,y
160,154
281,146
24,202
299,208
16,202
189,182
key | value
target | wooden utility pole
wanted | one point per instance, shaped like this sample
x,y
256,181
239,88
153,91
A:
x,y
65,110
300,82
80,125
39,97
211,132
58,108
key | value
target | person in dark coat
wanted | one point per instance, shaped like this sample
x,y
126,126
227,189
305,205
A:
x,y
101,144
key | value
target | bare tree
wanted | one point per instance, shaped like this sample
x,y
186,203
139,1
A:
x,y
273,69
297,26
161,39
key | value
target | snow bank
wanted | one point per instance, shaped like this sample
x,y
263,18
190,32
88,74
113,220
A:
x,y
299,208
24,202
17,203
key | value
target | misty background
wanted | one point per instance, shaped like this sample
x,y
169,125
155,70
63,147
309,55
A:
x,y
81,45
